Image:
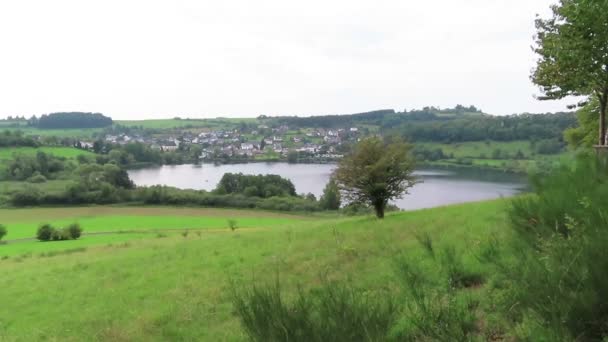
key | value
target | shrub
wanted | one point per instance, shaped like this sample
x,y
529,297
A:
x,y
232,224
557,285
60,235
3,231
74,230
37,178
45,232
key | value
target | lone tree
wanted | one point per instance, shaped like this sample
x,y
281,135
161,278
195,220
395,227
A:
x,y
376,172
573,50
330,200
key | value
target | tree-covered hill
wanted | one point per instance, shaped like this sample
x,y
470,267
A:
x,y
70,120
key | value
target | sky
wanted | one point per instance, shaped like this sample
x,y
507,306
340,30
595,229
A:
x,y
143,59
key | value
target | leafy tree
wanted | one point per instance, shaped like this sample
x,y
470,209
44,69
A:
x,y
586,133
573,50
330,200
376,172
3,231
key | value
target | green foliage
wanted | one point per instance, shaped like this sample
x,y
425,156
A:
x,y
71,120
292,157
435,312
422,310
22,167
16,138
554,282
37,178
172,196
376,172
331,199
74,230
586,132
573,60
549,146
3,231
232,224
264,186
331,313
46,232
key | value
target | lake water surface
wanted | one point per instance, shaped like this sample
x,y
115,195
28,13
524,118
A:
x,y
437,187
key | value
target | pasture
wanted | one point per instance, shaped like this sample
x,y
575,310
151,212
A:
x,y
152,282
217,123
6,153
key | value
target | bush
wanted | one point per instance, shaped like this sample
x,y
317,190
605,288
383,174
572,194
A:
x,y
45,232
232,224
60,235
557,286
37,178
74,230
24,197
3,231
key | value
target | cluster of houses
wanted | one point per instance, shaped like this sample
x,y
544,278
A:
x,y
317,142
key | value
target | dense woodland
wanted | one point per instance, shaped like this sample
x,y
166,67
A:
x,y
459,124
15,139
70,120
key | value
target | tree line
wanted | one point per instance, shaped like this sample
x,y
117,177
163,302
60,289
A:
x,y
70,120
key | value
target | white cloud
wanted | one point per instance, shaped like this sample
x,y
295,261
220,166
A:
x,y
152,58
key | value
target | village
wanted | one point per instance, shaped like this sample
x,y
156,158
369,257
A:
x,y
262,142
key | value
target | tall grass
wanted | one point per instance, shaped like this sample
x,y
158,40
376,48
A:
x,y
331,313
423,307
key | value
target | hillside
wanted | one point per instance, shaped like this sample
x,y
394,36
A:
x,y
157,283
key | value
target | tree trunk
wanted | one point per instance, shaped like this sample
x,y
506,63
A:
x,y
603,102
379,207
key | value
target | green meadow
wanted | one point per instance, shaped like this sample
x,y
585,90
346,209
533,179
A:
x,y
158,274
86,133
7,153
218,123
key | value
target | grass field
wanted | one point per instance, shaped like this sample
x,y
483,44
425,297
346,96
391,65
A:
x,y
61,133
66,152
219,123
482,149
159,287
481,154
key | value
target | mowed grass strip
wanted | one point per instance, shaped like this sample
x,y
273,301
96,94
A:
x,y
178,288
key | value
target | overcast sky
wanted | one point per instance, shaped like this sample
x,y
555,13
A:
x,y
136,59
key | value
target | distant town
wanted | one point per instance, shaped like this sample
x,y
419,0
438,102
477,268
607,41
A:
x,y
252,144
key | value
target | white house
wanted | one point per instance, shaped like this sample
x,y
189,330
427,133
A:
x,y
247,146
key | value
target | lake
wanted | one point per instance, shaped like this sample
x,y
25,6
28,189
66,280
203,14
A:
x,y
437,187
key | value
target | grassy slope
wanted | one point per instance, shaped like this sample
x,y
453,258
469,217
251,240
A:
x,y
6,153
219,123
176,288
24,222
480,153
62,133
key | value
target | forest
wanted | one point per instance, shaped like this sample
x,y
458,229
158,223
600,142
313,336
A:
x,y
70,120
